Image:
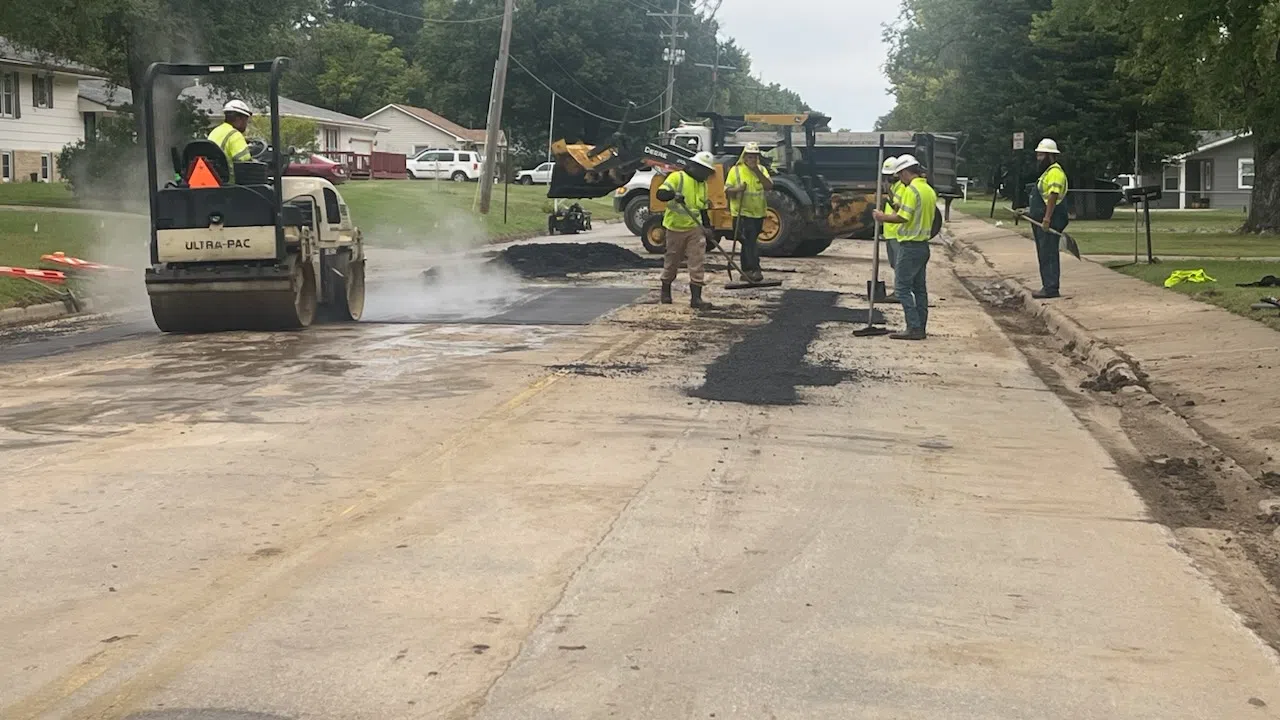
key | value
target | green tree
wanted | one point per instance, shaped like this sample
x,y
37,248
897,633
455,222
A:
x,y
297,133
398,19
348,68
1227,51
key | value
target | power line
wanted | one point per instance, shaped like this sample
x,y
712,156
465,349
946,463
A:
x,y
365,3
539,80
587,90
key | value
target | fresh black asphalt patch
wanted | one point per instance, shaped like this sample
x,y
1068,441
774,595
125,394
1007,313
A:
x,y
531,305
551,260
766,366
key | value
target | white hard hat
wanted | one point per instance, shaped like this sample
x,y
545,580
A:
x,y
1047,146
753,148
238,107
705,159
888,167
904,162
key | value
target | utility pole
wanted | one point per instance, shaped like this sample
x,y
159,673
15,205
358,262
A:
x,y
673,55
493,129
715,75
551,127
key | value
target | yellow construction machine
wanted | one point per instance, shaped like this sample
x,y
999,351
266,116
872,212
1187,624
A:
x,y
246,248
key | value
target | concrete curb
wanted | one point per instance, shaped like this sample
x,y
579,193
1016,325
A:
x,y
36,313
1113,368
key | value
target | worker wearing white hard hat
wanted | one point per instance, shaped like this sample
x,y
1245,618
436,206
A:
x,y
891,189
746,185
687,226
229,136
914,217
1047,207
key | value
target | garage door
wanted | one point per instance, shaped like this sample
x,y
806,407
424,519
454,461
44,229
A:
x,y
361,147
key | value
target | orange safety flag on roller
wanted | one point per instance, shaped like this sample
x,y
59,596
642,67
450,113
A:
x,y
201,176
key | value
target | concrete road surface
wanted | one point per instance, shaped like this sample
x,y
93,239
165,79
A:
x,y
461,521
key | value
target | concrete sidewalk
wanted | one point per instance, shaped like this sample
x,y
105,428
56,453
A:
x,y
1216,369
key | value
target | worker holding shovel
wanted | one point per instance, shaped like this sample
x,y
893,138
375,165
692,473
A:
x,y
688,227
746,185
1048,207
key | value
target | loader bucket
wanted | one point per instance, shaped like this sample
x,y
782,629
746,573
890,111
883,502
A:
x,y
587,183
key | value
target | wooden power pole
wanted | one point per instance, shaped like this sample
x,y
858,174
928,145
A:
x,y
493,129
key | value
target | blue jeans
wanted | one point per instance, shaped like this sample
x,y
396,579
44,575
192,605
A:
x,y
1047,242
891,247
909,283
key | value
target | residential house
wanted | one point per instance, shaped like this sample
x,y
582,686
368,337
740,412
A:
x,y
414,129
335,132
39,112
1218,173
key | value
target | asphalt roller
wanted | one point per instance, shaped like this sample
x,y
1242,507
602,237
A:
x,y
249,249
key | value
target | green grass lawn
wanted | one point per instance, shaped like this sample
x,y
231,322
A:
x,y
416,212
1198,233
1224,292
26,235
37,194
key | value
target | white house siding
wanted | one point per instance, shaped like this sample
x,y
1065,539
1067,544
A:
x,y
350,139
41,131
408,133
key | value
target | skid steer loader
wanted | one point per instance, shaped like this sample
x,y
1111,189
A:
x,y
257,252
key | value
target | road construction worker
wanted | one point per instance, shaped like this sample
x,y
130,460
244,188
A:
x,y
891,190
688,226
1048,207
230,134
914,217
746,185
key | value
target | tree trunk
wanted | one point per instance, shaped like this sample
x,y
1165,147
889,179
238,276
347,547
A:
x,y
1264,206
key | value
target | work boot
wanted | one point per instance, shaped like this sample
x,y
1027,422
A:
x,y
908,335
1045,294
665,299
695,299
754,276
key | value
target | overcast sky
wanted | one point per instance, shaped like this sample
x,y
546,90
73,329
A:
x,y
829,51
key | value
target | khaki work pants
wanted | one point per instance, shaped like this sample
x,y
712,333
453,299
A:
x,y
689,246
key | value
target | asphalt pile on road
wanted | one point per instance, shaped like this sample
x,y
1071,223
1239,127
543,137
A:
x,y
549,260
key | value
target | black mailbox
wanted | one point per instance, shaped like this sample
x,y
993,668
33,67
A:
x,y
1145,193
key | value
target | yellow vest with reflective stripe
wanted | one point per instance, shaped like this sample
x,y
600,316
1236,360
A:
x,y
919,205
695,199
1054,180
233,144
752,202
890,207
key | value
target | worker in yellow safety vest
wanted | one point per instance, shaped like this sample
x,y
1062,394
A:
x,y
746,185
1047,206
914,217
229,136
688,226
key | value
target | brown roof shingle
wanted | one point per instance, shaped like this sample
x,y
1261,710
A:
x,y
449,126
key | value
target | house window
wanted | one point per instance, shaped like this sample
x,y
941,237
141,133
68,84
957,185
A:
x,y
9,95
331,139
46,167
42,91
1244,174
1171,177
6,167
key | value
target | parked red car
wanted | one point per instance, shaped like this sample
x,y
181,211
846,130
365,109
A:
x,y
318,166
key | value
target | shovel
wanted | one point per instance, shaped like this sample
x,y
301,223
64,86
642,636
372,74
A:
x,y
730,266
1068,241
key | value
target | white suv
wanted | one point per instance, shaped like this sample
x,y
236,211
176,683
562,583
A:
x,y
444,164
